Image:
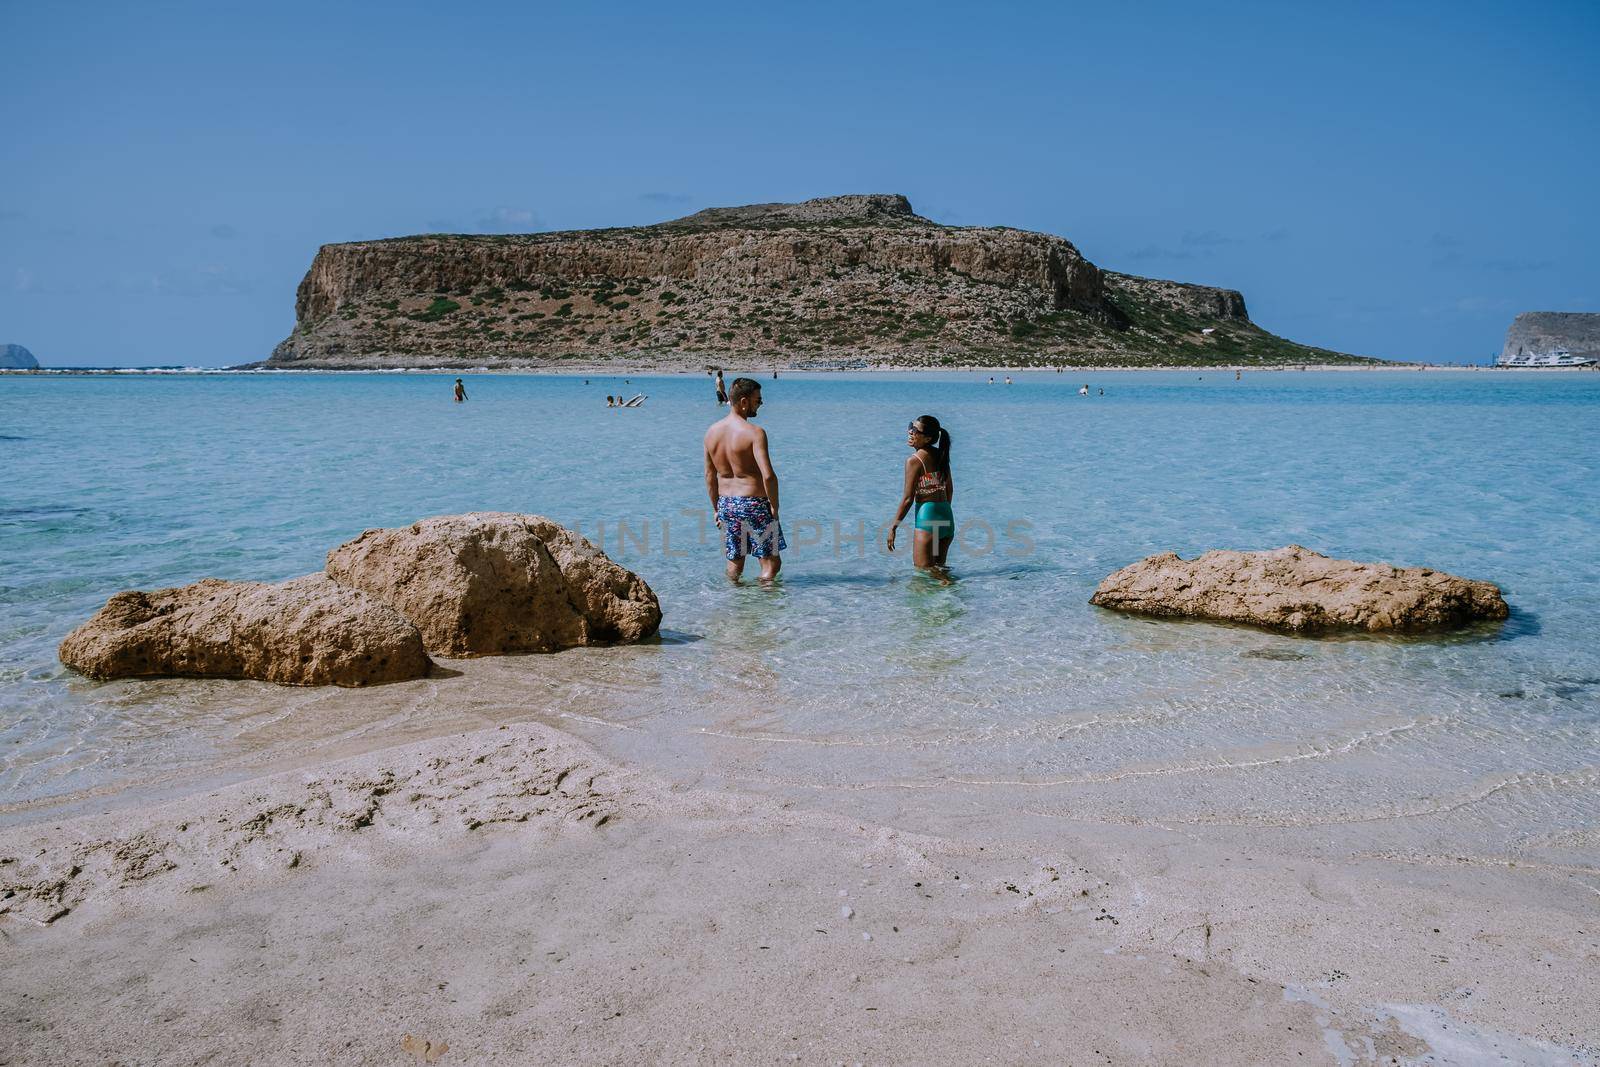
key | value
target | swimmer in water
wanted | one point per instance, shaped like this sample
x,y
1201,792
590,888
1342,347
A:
x,y
928,491
743,486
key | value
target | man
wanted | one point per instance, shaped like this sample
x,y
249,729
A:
x,y
743,486
722,390
461,391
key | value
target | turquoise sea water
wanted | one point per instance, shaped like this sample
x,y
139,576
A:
x,y
854,675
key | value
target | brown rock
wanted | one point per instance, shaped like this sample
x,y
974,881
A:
x,y
308,631
838,279
493,582
1299,591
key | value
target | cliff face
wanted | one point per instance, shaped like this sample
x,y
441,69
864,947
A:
x,y
1539,333
837,279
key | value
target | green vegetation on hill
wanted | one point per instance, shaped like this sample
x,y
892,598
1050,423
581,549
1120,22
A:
x,y
858,280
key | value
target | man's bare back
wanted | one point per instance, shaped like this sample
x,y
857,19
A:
x,y
742,485
731,445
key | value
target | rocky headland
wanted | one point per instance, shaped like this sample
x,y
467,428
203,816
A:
x,y
1541,333
839,281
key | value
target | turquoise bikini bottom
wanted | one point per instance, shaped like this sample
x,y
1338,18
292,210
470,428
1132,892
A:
x,y
937,517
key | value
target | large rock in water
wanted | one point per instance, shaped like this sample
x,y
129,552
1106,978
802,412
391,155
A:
x,y
308,631
1299,591
487,583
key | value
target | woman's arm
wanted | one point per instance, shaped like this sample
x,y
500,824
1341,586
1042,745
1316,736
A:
x,y
908,497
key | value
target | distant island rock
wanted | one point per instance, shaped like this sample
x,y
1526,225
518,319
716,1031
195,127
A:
x,y
1295,590
1543,333
15,357
844,280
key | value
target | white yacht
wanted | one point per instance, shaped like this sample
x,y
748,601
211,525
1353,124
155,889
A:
x,y
1559,357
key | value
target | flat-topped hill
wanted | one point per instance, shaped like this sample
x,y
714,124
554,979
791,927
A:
x,y
837,280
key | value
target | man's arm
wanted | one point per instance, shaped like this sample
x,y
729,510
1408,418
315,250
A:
x,y
764,465
711,481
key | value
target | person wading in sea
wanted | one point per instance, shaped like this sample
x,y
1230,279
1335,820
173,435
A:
x,y
461,391
743,486
722,390
929,489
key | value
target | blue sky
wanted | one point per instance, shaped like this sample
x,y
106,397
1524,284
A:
x,y
1394,180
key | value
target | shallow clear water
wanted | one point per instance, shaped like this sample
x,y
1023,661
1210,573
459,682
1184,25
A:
x,y
855,676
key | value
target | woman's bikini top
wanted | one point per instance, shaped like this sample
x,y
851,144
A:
x,y
931,484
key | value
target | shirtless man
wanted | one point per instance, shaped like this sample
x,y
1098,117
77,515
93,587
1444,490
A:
x,y
742,484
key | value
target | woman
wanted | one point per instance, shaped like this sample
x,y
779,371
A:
x,y
929,489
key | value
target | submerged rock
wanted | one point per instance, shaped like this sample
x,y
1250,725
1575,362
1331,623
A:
x,y
487,583
1299,591
307,631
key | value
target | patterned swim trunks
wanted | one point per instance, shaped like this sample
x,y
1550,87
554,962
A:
x,y
748,528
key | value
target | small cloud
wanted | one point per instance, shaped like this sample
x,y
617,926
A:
x,y
1468,305
9,214
1277,233
141,282
1157,252
665,198
22,280
1207,239
502,219
206,280
223,232
216,280
1518,266
1444,240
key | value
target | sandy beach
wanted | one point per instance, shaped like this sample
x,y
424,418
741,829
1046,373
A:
x,y
507,895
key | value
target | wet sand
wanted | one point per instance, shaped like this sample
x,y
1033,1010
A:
x,y
512,895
